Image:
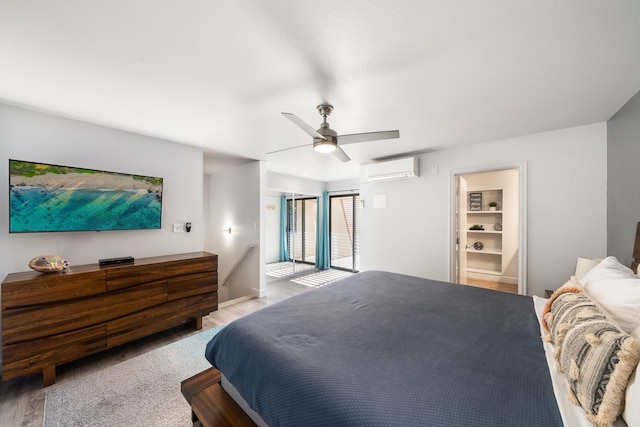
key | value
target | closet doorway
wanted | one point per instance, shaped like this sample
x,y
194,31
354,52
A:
x,y
489,229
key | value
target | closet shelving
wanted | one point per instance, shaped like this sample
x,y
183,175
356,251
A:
x,y
487,259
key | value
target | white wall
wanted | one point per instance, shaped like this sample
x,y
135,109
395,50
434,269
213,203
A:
x,y
567,197
32,136
343,187
234,199
287,185
623,157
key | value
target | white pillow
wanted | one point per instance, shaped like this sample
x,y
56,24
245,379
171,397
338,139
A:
x,y
616,289
609,267
584,264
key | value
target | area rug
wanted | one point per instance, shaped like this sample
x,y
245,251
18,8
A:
x,y
144,390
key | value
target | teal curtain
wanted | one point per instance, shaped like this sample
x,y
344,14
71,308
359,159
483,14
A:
x,y
284,251
323,261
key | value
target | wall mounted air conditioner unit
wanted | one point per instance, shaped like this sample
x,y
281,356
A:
x,y
393,169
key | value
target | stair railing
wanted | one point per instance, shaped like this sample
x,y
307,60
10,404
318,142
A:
x,y
238,262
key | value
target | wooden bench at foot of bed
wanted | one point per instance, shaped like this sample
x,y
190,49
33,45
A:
x,y
210,404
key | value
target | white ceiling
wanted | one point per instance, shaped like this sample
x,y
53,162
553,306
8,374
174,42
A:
x,y
217,73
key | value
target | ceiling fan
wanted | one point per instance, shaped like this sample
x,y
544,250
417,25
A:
x,y
326,140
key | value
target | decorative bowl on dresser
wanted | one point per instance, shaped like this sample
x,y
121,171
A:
x,y
55,318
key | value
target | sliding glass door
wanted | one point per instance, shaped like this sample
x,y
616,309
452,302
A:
x,y
301,229
344,232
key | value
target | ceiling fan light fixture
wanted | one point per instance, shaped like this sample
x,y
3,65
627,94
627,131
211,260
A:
x,y
324,146
325,139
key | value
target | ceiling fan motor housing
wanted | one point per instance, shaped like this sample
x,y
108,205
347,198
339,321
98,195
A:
x,y
327,132
324,109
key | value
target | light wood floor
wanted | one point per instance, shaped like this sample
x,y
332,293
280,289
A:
x,y
496,286
22,399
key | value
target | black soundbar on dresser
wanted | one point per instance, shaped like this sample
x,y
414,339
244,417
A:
x,y
112,261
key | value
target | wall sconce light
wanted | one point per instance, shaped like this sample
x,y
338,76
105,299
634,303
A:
x,y
227,230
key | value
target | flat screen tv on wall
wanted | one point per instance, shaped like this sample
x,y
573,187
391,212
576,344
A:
x,y
44,198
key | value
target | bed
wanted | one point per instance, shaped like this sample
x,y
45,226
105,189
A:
x,y
383,349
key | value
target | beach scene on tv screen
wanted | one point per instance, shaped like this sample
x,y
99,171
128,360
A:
x,y
59,198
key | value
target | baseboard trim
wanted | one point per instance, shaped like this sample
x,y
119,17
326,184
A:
x,y
235,301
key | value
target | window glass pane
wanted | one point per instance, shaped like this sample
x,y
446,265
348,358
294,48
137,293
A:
x,y
345,232
356,234
297,231
310,213
301,226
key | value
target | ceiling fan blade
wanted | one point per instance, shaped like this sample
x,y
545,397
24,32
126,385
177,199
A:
x,y
369,136
341,155
285,149
302,125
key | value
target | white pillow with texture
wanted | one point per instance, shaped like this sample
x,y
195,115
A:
x,y
616,289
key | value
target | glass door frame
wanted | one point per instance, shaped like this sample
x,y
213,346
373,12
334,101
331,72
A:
x,y
291,228
355,254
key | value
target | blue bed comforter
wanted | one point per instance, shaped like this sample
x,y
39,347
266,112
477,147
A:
x,y
382,349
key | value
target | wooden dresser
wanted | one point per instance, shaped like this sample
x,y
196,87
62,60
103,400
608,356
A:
x,y
54,318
